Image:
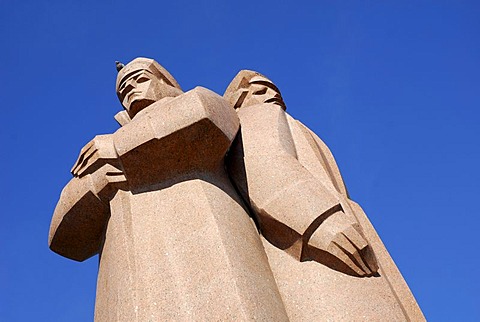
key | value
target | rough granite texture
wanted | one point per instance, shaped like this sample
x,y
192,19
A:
x,y
203,207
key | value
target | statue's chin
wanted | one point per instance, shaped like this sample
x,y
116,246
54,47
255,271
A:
x,y
137,106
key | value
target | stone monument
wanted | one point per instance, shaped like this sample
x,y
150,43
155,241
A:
x,y
203,207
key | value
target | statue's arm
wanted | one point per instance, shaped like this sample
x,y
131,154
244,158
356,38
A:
x,y
295,211
82,212
326,158
283,194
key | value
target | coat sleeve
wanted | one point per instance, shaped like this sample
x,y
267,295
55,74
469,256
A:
x,y
79,220
325,157
288,202
81,214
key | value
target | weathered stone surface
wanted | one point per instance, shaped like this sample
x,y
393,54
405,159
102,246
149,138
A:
x,y
204,207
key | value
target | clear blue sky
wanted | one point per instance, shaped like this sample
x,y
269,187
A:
x,y
393,87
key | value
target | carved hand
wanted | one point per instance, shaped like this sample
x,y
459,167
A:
x,y
338,243
107,180
95,154
99,160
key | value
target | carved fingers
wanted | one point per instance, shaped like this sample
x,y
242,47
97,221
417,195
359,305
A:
x,y
107,180
84,159
99,160
95,154
339,243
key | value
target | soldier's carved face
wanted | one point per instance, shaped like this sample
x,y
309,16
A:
x,y
141,88
262,90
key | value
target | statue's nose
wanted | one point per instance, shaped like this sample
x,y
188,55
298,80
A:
x,y
273,93
131,82
129,87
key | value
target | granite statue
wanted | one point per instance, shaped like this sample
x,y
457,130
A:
x,y
209,207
